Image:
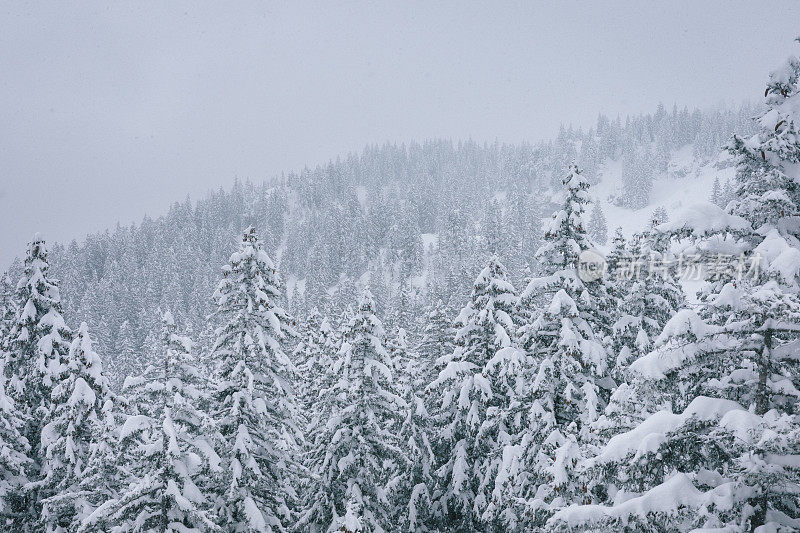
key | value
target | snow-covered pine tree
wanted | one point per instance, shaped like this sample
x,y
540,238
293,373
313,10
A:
x,y
412,487
400,355
79,393
660,216
651,297
168,452
637,176
8,309
716,193
437,340
598,228
255,406
38,343
355,452
313,356
723,456
617,277
101,479
728,192
618,256
14,447
463,392
563,389
126,362
14,460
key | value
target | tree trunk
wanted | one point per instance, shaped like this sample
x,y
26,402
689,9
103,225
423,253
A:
x,y
762,394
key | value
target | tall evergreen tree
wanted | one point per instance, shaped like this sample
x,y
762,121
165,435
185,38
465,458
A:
x,y
80,391
356,453
437,340
651,297
465,452
564,387
8,309
14,460
168,453
313,355
598,229
415,481
255,398
39,342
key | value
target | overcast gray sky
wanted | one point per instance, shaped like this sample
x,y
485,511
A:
x,y
110,110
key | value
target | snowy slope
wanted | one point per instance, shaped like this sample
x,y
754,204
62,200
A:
x,y
687,182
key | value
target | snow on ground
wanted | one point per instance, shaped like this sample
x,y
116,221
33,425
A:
x,y
361,194
687,182
429,239
686,185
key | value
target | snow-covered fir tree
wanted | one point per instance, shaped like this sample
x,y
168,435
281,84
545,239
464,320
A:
x,y
8,310
412,488
437,339
356,451
716,193
598,228
564,386
618,256
168,447
651,296
722,455
313,357
14,460
463,396
80,390
254,402
101,480
38,344
660,216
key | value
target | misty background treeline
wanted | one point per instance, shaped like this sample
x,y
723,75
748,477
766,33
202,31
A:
x,y
415,222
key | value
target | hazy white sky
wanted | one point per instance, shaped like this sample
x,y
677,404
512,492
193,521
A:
x,y
110,110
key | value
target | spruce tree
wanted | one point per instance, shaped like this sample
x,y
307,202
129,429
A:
x,y
8,310
314,355
101,479
415,480
598,229
466,451
79,393
437,340
716,193
14,447
14,460
38,344
651,297
564,386
168,453
255,398
355,452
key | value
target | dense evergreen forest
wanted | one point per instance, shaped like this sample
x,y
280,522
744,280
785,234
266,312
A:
x,y
401,340
416,223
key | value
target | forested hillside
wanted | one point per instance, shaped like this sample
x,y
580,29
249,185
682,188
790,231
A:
x,y
414,222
